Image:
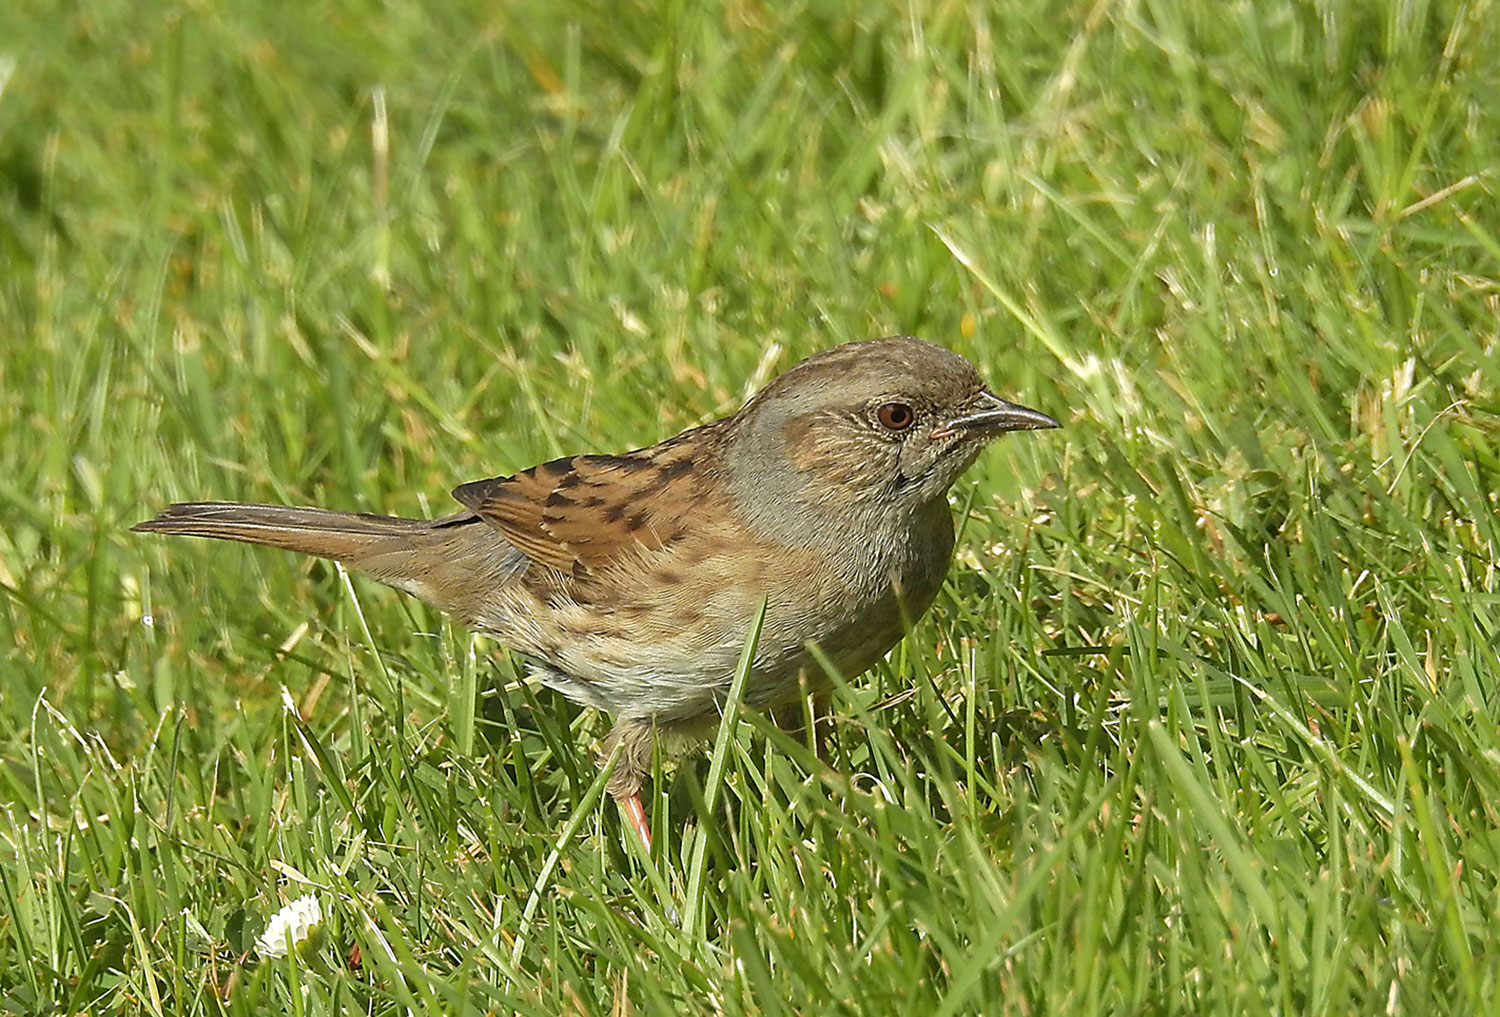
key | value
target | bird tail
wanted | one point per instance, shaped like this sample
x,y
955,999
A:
x,y
456,563
343,536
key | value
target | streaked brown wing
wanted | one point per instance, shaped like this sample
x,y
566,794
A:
x,y
577,514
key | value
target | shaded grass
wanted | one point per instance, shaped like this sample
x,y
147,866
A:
x,y
1204,722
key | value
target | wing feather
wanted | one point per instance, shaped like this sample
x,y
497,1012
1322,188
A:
x,y
580,513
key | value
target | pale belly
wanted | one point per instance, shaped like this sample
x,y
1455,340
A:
x,y
668,652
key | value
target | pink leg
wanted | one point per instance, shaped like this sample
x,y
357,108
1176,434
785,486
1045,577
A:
x,y
635,815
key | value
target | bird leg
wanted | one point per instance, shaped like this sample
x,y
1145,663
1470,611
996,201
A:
x,y
794,718
635,815
636,741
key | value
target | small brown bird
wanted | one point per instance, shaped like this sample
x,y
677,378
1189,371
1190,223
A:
x,y
629,581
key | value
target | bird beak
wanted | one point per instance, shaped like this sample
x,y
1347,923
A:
x,y
992,414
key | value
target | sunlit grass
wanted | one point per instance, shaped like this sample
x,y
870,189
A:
x,y
1204,722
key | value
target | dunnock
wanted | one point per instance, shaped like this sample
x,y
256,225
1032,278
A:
x,y
629,581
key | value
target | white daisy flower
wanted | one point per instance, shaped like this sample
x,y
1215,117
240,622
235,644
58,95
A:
x,y
298,926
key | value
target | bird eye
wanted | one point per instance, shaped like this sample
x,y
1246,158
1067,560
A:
x,y
895,416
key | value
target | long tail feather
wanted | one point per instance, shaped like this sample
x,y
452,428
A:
x,y
457,563
343,536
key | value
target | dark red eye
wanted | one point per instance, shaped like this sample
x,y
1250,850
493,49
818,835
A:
x,y
895,416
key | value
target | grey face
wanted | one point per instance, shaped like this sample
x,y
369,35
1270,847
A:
x,y
886,433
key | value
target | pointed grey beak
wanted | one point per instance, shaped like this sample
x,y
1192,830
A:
x,y
991,413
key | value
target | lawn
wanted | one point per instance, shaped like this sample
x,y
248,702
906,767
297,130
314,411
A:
x,y
1204,722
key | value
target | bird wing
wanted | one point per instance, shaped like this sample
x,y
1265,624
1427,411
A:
x,y
577,514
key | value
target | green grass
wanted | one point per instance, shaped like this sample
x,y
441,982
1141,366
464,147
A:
x,y
1204,722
